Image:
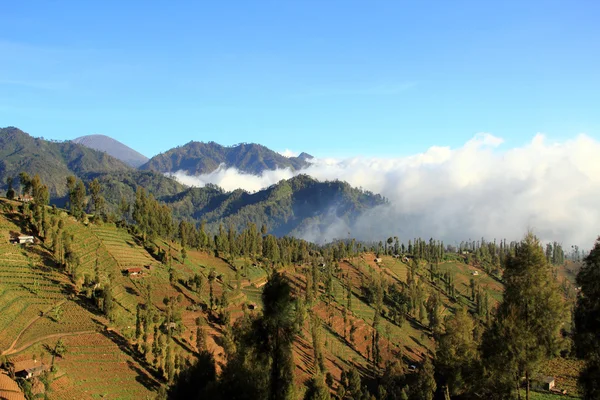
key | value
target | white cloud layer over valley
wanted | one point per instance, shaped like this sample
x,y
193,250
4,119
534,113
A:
x,y
464,193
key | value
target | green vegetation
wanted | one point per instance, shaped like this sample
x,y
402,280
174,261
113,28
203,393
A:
x,y
52,161
202,158
229,309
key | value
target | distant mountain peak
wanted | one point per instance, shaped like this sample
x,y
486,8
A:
x,y
305,156
114,148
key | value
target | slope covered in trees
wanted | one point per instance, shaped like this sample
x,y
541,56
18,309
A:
x,y
201,158
287,208
52,161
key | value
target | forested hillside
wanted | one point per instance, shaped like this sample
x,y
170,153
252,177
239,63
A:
x,y
201,158
286,208
52,161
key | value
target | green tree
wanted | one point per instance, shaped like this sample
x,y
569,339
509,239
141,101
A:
x,y
279,321
317,390
77,194
317,344
587,323
98,201
457,354
393,381
10,192
56,313
211,278
25,181
351,384
108,303
526,330
197,382
60,349
424,386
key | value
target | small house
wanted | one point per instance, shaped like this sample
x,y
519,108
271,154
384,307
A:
x,y
475,273
25,198
405,259
22,239
548,382
378,260
542,382
29,369
25,239
134,272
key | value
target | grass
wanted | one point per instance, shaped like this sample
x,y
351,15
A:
x,y
533,395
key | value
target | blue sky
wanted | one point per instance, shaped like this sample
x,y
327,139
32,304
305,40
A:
x,y
338,78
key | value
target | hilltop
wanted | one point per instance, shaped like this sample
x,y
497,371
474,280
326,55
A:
x,y
114,148
298,206
197,158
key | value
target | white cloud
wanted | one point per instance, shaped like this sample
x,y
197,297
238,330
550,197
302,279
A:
x,y
288,153
472,191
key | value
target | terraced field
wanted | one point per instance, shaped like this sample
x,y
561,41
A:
x,y
27,285
95,365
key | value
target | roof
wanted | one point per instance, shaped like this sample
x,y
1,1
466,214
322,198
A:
x,y
29,365
9,390
130,270
544,378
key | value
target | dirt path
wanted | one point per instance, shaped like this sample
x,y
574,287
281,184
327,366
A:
x,y
55,335
33,321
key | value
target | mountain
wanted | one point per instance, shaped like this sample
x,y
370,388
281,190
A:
x,y
200,158
299,206
52,161
114,148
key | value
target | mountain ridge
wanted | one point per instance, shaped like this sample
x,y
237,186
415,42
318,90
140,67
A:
x,y
196,158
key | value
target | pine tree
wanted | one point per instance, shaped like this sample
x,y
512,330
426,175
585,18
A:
x,y
97,199
10,192
279,322
317,345
456,354
424,386
587,323
526,331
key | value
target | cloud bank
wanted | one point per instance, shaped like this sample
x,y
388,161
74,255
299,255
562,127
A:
x,y
463,193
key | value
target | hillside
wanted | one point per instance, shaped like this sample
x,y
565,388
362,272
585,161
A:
x,y
52,161
297,206
197,158
109,321
113,148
